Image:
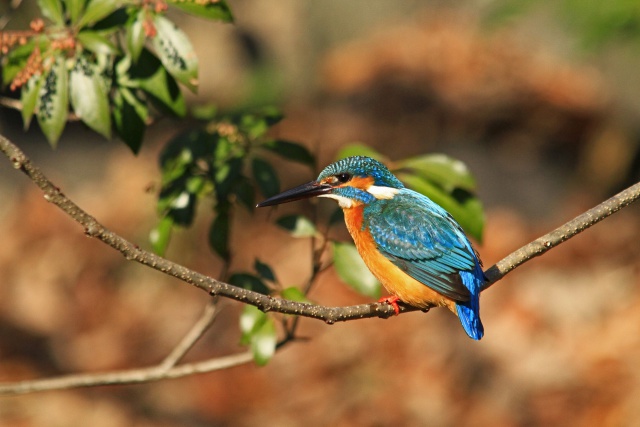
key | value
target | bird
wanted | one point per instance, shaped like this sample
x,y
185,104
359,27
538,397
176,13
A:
x,y
413,246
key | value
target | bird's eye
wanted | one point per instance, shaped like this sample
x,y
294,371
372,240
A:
x,y
343,177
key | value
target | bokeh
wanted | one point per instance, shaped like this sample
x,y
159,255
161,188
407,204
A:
x,y
541,102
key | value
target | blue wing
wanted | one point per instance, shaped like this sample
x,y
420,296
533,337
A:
x,y
421,238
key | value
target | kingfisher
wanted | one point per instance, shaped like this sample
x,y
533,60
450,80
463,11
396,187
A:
x,y
413,246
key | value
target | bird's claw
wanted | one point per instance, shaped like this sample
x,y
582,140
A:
x,y
393,301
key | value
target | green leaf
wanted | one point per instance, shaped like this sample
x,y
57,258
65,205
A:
x,y
29,98
360,150
219,235
265,177
182,208
89,96
52,9
218,10
125,74
113,22
222,153
257,123
245,193
136,36
264,270
195,184
226,175
53,102
139,106
251,319
74,9
97,43
176,52
129,115
185,149
462,205
204,111
160,236
264,341
16,60
258,331
297,225
294,294
149,75
174,195
97,10
270,114
446,172
352,270
291,151
250,282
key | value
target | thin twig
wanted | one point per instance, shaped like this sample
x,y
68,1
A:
x,y
10,103
131,376
167,369
195,333
562,234
16,104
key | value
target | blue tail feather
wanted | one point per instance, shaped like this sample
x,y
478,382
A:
x,y
469,311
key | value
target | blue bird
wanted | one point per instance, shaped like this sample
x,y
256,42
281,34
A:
x,y
412,245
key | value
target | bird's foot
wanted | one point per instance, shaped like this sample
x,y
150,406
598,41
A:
x,y
393,301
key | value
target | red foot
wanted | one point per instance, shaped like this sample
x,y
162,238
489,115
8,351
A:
x,y
393,301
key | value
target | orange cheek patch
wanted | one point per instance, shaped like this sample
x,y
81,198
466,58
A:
x,y
361,182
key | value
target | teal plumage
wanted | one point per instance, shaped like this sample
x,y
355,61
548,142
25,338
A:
x,y
423,240
362,166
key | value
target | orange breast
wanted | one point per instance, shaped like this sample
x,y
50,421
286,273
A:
x,y
396,281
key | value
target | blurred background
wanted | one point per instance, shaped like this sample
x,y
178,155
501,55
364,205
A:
x,y
541,102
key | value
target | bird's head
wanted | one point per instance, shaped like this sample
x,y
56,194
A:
x,y
352,181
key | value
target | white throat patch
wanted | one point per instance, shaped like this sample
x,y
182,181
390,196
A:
x,y
344,202
380,192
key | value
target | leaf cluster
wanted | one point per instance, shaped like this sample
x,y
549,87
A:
x,y
226,161
114,63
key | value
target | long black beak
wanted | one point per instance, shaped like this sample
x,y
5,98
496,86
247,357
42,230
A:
x,y
304,191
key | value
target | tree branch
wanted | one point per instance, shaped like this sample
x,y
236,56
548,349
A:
x,y
562,234
131,376
132,252
266,303
168,368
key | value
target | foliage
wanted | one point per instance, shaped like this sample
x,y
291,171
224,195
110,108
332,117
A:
x,y
114,62
595,23
353,271
226,161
